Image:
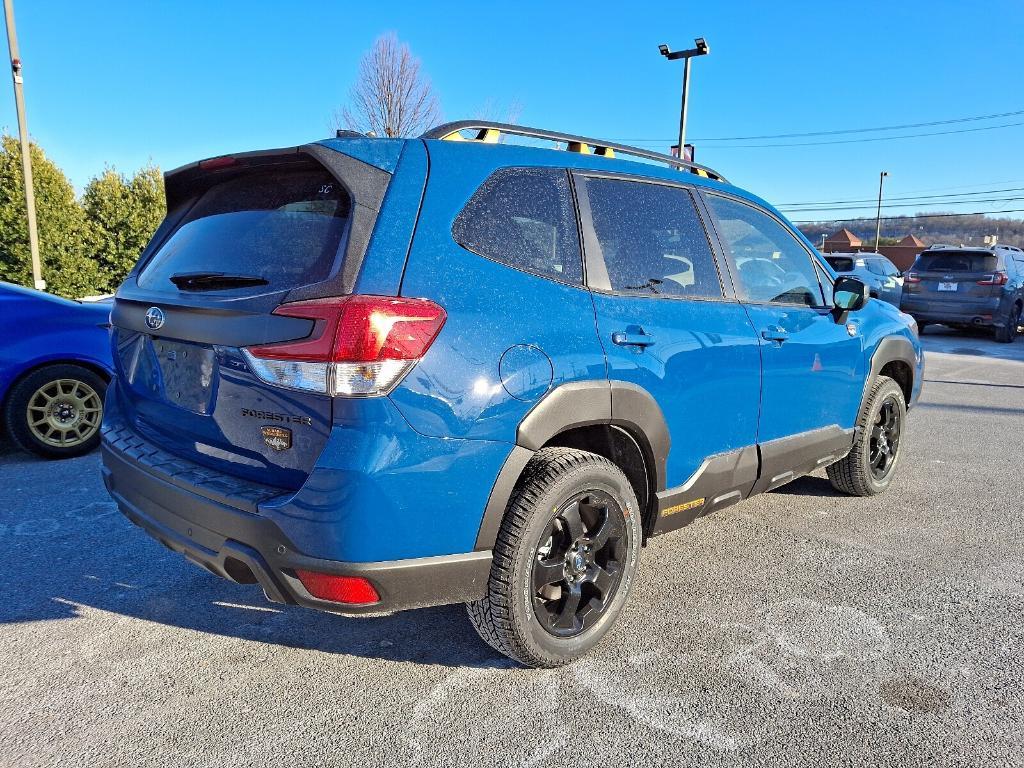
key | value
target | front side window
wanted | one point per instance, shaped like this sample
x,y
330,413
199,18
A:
x,y
771,264
652,240
524,217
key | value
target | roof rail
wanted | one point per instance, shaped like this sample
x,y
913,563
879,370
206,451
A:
x,y
489,133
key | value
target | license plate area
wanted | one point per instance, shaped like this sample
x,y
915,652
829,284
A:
x,y
947,286
187,374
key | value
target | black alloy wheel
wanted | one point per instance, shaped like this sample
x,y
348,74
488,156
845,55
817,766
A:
x,y
579,563
885,438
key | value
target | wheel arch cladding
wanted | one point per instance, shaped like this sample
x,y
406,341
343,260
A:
x,y
894,357
617,420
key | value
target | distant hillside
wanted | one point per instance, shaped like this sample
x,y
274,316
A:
x,y
966,229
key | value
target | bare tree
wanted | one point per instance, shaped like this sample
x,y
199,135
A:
x,y
391,97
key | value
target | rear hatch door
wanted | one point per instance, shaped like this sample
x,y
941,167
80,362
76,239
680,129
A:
x,y
243,235
953,276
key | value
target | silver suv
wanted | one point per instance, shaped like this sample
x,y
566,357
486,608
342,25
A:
x,y
963,287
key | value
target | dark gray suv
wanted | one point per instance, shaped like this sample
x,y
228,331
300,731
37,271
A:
x,y
963,287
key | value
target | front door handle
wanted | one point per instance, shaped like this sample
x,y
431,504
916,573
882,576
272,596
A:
x,y
774,334
624,339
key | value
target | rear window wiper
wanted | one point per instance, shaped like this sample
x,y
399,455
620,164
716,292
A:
x,y
213,281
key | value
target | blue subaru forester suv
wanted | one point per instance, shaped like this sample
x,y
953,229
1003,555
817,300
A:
x,y
375,374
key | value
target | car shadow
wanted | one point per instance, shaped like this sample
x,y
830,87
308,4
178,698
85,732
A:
x,y
808,485
74,560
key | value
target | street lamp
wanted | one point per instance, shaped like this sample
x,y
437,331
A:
x,y
878,216
701,49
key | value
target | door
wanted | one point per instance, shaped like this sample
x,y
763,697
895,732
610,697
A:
x,y
669,327
813,366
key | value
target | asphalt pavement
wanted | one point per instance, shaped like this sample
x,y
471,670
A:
x,y
797,628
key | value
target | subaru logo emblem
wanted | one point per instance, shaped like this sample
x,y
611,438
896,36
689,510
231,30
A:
x,y
155,318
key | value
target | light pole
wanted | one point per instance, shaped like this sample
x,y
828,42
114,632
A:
x,y
26,157
878,216
823,235
701,49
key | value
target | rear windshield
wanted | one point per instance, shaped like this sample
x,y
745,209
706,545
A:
x,y
283,229
840,263
956,261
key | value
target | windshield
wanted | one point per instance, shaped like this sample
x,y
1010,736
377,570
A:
x,y
284,228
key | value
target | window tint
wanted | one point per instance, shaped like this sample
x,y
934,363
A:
x,y
875,266
652,239
956,261
524,217
771,264
840,263
283,227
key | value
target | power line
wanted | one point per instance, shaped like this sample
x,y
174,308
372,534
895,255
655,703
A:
x,y
790,206
907,216
909,205
854,130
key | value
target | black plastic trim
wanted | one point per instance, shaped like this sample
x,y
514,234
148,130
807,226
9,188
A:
x,y
720,481
788,458
212,534
501,492
891,349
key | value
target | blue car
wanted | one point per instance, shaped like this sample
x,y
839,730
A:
x,y
883,278
55,364
376,374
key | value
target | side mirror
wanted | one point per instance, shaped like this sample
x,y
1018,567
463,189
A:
x,y
849,295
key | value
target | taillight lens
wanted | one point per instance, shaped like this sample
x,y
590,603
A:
x,y
360,345
353,590
996,278
911,277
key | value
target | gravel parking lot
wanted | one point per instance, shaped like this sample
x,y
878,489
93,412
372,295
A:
x,y
800,627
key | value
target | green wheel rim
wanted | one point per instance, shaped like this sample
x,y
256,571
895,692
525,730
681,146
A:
x,y
64,413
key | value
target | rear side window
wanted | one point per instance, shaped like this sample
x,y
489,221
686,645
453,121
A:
x,y
524,217
840,263
652,239
284,227
956,261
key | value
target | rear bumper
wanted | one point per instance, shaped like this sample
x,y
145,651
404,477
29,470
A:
x,y
986,312
219,534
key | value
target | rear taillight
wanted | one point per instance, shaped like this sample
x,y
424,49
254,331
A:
x,y
360,345
911,277
996,278
353,590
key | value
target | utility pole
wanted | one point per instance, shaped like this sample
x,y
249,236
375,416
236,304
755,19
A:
x,y
26,156
823,235
878,216
701,49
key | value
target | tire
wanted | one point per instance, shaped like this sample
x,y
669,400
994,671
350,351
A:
x,y
534,624
1005,334
856,474
66,402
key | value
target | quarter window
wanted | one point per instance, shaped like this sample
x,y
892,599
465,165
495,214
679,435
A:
x,y
771,264
652,240
524,217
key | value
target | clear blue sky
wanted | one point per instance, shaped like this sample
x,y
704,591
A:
x,y
125,83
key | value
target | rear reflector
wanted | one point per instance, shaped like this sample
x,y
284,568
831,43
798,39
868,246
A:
x,y
360,345
338,589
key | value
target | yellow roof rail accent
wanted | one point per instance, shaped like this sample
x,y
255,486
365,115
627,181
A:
x,y
491,132
486,135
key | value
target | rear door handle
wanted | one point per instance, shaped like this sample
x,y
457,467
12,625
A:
x,y
624,339
774,334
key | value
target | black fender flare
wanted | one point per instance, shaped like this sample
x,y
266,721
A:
x,y
579,404
890,349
